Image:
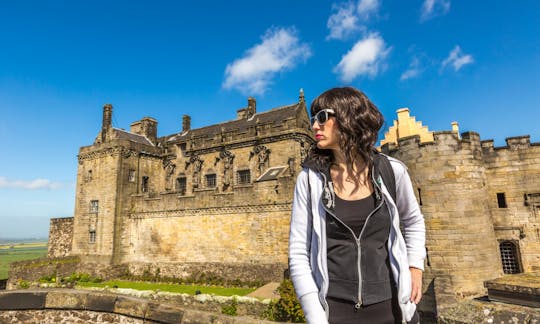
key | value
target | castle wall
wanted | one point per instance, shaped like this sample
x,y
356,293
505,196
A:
x,y
514,170
230,223
60,237
193,198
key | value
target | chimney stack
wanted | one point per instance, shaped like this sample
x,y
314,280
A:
x,y
107,122
252,107
186,123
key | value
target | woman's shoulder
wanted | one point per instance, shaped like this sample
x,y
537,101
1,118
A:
x,y
397,166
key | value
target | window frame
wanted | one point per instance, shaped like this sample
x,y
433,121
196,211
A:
x,y
210,180
94,206
241,176
92,236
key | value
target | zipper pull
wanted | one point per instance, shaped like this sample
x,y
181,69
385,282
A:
x,y
357,306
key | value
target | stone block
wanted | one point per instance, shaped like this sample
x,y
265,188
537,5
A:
x,y
163,313
131,306
12,300
66,299
101,302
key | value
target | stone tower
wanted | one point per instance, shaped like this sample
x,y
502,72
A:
x,y
451,185
101,193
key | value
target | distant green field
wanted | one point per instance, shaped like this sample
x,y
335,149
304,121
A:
x,y
19,252
176,288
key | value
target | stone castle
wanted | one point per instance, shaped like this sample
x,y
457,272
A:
x,y
218,199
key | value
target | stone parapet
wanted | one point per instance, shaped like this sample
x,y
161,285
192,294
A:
x,y
478,311
46,306
520,289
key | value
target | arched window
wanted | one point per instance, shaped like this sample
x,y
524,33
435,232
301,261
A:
x,y
509,257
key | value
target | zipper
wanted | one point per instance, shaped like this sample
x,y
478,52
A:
x,y
357,239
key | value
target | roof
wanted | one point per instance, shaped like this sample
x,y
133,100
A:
x,y
132,137
274,116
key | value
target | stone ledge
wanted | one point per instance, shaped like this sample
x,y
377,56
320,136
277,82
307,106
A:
x,y
75,300
521,289
478,311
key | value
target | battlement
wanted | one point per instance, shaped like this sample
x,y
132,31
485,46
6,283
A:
x,y
446,139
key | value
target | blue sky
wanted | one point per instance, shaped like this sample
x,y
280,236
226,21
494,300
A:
x,y
474,62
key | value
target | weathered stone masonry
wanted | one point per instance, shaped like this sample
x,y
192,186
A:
x,y
218,195
218,199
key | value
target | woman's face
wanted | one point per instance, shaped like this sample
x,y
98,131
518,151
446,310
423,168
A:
x,y
326,132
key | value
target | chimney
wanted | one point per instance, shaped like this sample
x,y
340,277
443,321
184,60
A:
x,y
107,122
241,113
186,123
252,107
146,127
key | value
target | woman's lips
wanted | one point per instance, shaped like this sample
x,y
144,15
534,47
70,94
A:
x,y
318,136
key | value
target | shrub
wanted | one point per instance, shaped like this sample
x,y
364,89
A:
x,y
230,309
23,284
286,308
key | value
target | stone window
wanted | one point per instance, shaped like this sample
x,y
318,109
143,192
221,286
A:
x,y
509,257
144,184
94,206
131,176
89,175
243,177
181,185
211,180
501,200
92,236
419,196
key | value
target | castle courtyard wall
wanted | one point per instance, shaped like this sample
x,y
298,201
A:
x,y
514,170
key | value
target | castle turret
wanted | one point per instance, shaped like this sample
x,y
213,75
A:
x,y
449,178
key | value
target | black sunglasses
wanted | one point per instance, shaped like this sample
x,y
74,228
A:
x,y
322,116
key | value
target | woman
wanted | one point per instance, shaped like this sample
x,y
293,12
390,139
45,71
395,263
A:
x,y
349,262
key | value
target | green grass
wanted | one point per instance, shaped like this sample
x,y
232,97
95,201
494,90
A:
x,y
19,252
175,288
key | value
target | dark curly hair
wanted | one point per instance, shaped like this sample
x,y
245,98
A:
x,y
358,123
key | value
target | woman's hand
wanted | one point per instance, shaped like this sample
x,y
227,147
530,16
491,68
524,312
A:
x,y
416,283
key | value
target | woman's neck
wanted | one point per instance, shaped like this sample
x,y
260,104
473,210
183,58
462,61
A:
x,y
351,181
354,168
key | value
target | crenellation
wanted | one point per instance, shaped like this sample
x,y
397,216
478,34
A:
x,y
518,142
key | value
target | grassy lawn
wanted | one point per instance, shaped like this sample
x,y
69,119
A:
x,y
186,289
19,252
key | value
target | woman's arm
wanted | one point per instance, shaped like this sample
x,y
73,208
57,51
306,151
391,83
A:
x,y
299,253
413,227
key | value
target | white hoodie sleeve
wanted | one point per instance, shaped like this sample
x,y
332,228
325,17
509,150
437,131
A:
x,y
410,216
300,253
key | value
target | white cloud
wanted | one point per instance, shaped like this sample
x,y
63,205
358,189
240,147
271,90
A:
x,y
432,8
457,59
280,50
366,8
365,58
413,71
347,17
29,185
344,22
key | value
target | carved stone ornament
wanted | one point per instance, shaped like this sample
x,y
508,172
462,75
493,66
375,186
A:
x,y
227,158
